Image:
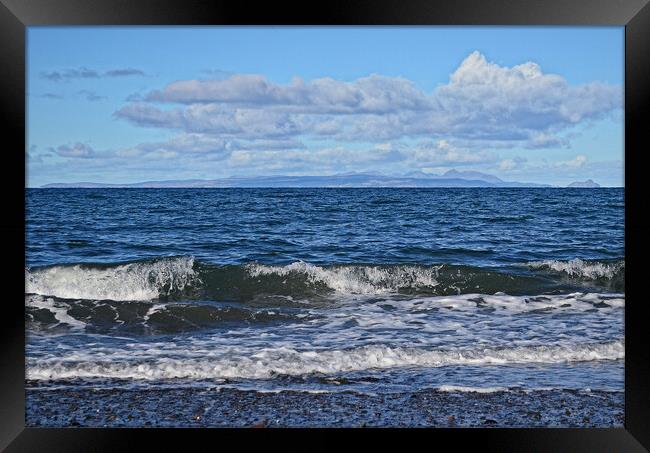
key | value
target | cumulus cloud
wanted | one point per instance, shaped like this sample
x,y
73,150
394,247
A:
x,y
243,123
86,73
520,98
482,101
373,94
184,144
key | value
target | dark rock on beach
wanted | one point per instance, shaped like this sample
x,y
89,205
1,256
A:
x,y
227,407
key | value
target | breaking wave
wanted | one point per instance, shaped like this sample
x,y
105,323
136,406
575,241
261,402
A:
x,y
144,280
592,270
183,278
355,279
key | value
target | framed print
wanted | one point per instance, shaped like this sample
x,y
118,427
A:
x,y
400,217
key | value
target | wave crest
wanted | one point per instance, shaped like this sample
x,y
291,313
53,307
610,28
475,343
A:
x,y
181,278
137,281
591,270
355,279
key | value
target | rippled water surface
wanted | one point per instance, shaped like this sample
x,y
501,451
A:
x,y
368,290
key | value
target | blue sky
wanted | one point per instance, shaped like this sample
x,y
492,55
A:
x,y
129,104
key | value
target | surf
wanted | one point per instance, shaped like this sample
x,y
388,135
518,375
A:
x,y
267,363
184,278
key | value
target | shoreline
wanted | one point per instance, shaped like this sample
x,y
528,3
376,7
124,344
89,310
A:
x,y
229,407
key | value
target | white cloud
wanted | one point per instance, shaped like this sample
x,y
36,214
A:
x,y
161,154
183,146
482,102
579,161
245,123
80,150
442,153
395,155
512,164
487,99
315,160
249,124
542,140
373,94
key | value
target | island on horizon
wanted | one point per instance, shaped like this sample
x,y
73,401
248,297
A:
x,y
417,179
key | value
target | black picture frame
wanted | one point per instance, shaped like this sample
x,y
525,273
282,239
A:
x,y
16,15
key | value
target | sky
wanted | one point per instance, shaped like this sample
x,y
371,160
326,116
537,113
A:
x,y
132,104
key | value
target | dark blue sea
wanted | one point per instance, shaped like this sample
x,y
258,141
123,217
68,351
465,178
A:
x,y
323,291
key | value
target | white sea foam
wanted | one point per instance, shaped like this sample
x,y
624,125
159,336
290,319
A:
x,y
515,304
466,315
580,268
460,388
355,279
269,362
57,308
127,282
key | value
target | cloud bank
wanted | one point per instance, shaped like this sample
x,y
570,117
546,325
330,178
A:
x,y
482,103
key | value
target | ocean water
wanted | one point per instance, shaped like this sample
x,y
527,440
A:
x,y
326,290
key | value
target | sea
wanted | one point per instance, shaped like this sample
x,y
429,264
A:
x,y
356,291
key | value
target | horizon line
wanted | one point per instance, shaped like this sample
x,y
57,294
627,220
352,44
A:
x,y
462,179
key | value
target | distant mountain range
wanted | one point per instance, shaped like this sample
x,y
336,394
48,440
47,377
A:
x,y
452,178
